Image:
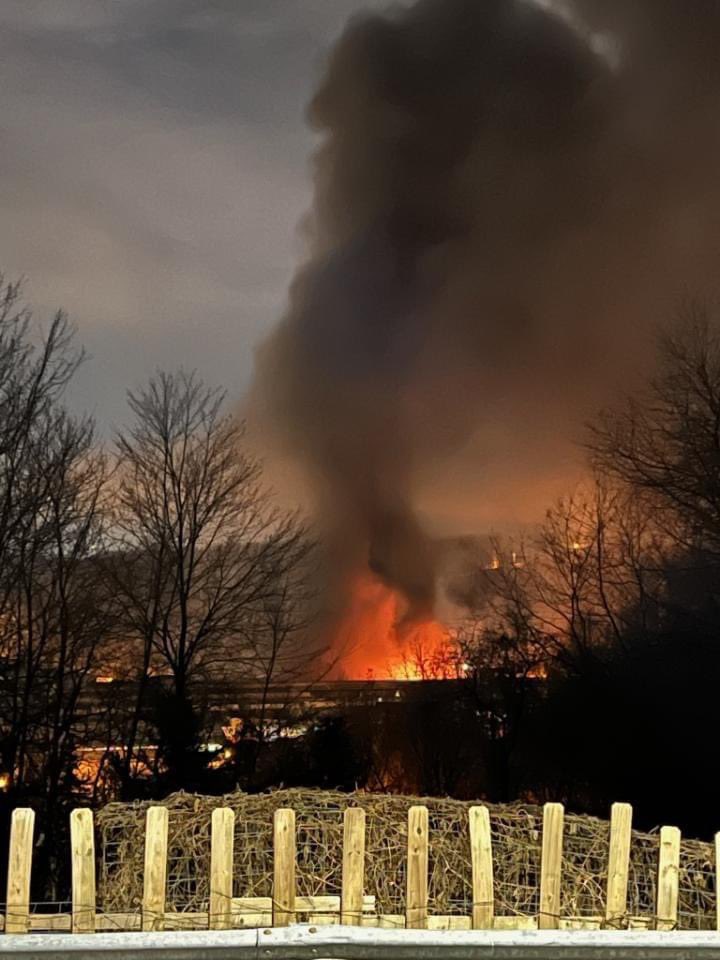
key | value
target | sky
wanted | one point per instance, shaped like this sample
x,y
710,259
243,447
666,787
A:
x,y
155,166
154,169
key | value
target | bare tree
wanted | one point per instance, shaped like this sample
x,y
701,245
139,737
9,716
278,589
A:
x,y
664,443
52,608
34,372
41,451
204,554
284,654
593,570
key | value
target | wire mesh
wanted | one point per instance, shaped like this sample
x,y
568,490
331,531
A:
x,y
516,836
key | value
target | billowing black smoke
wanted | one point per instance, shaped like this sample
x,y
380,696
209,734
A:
x,y
507,197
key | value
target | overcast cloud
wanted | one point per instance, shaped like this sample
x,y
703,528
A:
x,y
153,171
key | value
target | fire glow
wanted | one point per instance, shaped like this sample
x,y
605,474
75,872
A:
x,y
377,638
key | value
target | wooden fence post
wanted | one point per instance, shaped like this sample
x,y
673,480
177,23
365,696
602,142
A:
x,y
618,862
17,910
221,868
82,843
283,867
668,878
717,880
353,867
155,880
482,868
551,866
416,896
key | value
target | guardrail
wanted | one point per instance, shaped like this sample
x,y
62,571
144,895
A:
x,y
352,907
352,943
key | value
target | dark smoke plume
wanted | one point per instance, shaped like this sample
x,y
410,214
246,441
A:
x,y
507,197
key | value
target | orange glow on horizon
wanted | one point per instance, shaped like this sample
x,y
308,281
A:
x,y
376,640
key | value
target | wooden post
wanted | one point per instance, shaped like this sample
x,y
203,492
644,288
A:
x,y
618,862
221,868
156,837
717,880
551,866
283,868
668,878
17,910
416,896
82,844
353,867
482,868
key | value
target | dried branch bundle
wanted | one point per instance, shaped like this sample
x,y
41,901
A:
x,y
516,835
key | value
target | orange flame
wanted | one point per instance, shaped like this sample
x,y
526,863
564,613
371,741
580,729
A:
x,y
376,640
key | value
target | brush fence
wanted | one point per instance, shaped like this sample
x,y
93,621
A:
x,y
353,906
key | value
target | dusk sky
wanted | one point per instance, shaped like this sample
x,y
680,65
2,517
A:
x,y
154,169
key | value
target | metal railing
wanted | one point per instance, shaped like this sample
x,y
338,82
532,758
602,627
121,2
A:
x,y
353,943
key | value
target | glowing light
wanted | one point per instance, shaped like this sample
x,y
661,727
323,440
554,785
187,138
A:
x,y
105,679
5,781
539,672
233,731
378,640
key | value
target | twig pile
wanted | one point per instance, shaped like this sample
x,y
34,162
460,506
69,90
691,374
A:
x,y
516,836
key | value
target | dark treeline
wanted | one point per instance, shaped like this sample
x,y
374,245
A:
x,y
131,580
139,577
